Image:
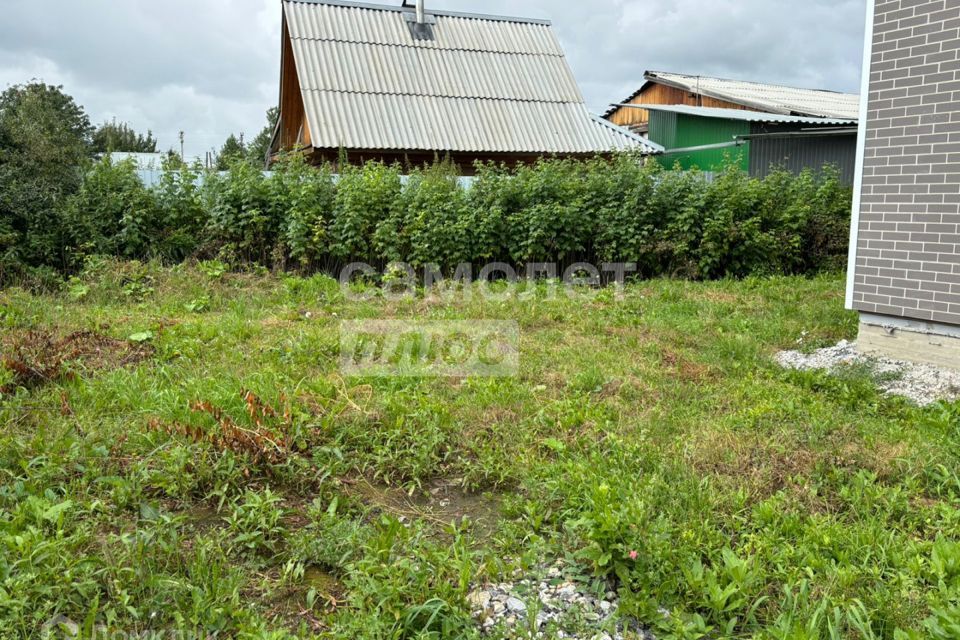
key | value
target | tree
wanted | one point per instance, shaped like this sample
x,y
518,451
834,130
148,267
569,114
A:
x,y
231,151
259,147
44,146
173,161
120,136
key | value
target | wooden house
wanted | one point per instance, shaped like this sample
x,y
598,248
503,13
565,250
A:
x,y
408,84
673,89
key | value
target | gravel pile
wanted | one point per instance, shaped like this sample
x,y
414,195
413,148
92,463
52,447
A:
x,y
548,605
921,383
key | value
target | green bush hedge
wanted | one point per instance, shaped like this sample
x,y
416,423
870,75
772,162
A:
x,y
668,222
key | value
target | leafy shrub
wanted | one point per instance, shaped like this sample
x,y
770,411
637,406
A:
x,y
621,196
490,198
181,211
112,214
676,208
365,196
827,225
430,222
739,237
668,222
550,223
304,199
243,225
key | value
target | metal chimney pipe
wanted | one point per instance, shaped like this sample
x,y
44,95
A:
x,y
420,12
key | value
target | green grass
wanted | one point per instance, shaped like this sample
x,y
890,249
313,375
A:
x,y
762,503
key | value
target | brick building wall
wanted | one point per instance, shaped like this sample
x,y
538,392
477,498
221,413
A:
x,y
907,261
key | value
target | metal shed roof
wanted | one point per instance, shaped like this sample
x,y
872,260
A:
x,y
739,114
771,98
482,84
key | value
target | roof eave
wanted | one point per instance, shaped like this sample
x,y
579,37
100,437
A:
x,y
614,108
648,146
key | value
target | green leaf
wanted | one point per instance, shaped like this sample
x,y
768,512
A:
x,y
149,512
555,444
143,336
53,513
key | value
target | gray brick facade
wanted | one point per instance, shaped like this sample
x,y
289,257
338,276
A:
x,y
907,261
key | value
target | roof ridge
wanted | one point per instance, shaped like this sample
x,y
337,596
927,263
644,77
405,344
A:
x,y
353,4
647,75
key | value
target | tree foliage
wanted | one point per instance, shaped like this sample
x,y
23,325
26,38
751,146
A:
x,y
231,151
44,145
259,147
119,136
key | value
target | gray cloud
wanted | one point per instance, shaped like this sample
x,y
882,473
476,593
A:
x,y
212,67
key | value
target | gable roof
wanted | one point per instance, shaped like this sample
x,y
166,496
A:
x,y
482,84
771,98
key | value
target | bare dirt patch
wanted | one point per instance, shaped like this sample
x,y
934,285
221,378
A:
x,y
286,604
441,503
36,358
685,369
757,466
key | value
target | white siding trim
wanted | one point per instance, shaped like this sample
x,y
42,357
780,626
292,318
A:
x,y
861,152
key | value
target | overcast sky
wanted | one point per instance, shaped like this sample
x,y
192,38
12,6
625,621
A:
x,y
211,67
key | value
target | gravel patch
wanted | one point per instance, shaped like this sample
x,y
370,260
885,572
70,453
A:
x,y
924,384
547,604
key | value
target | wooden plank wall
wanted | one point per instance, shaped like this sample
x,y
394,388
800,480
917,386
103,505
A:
x,y
662,94
294,129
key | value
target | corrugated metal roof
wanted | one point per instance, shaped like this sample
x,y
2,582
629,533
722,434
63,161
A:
x,y
433,72
649,145
376,24
771,98
402,122
483,84
748,116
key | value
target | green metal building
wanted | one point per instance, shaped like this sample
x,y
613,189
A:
x,y
708,138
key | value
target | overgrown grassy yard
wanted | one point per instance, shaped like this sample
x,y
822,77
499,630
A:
x,y
179,451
